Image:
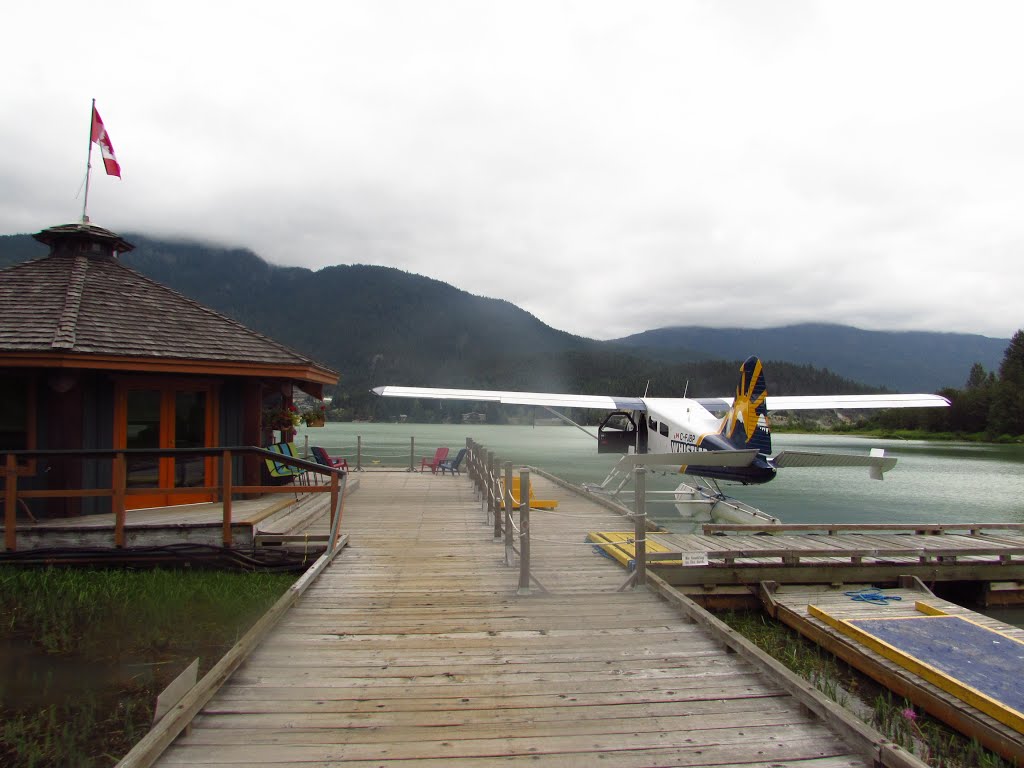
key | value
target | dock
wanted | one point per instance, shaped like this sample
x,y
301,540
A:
x,y
417,645
956,677
707,564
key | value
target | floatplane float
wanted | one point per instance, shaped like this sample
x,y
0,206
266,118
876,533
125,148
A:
x,y
710,439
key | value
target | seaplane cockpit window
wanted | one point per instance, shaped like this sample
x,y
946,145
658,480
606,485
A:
x,y
663,428
652,422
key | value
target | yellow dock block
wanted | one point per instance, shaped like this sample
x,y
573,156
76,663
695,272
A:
x,y
621,545
937,677
535,503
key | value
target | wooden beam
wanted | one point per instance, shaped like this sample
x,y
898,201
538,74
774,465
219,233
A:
x,y
310,372
10,503
226,495
120,476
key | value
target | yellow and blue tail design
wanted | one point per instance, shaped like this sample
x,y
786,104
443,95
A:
x,y
746,423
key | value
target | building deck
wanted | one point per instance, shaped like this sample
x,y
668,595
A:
x,y
414,648
937,670
254,522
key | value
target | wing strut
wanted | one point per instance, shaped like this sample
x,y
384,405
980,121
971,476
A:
x,y
567,420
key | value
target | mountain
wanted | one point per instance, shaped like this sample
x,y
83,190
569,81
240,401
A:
x,y
904,361
379,325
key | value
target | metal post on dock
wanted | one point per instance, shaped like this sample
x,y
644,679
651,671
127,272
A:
x,y
412,453
359,453
640,526
508,513
524,531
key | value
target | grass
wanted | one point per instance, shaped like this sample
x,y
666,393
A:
x,y
101,644
895,718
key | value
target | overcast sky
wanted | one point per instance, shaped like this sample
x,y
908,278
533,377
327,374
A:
x,y
609,166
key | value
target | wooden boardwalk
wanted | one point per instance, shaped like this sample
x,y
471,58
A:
x,y
413,648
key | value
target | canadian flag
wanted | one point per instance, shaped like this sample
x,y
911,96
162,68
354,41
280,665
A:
x,y
101,137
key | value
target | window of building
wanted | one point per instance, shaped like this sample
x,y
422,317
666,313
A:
x,y
15,415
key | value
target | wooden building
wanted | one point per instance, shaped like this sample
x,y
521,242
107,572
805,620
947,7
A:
x,y
94,355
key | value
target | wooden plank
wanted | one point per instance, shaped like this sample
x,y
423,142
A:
x,y
810,740
638,759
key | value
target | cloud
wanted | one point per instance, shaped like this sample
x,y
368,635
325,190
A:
x,y
609,168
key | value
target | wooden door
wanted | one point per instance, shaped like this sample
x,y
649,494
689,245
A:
x,y
166,415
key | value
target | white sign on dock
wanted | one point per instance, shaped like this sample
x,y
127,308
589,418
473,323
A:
x,y
174,692
694,558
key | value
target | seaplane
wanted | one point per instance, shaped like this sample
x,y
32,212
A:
x,y
716,439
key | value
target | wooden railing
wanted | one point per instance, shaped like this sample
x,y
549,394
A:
x,y
224,490
834,529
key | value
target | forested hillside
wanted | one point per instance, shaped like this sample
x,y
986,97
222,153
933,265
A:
x,y
991,403
905,361
377,325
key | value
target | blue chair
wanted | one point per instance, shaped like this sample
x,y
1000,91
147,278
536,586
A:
x,y
453,464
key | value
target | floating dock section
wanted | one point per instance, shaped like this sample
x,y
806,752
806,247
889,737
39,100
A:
x,y
959,666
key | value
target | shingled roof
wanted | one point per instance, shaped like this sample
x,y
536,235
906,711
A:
x,y
81,301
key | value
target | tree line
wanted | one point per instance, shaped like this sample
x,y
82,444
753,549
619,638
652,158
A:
x,y
990,404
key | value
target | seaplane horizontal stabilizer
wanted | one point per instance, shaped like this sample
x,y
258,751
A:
x,y
878,463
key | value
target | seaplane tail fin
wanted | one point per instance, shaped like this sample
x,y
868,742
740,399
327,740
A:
x,y
745,425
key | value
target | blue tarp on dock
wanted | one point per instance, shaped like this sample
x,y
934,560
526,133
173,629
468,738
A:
x,y
988,661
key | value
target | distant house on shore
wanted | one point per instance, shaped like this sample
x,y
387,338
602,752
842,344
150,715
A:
x,y
95,355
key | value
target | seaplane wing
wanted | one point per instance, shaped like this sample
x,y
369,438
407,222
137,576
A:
x,y
613,403
546,399
722,438
832,402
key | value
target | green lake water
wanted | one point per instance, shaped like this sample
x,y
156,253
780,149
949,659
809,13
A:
x,y
933,482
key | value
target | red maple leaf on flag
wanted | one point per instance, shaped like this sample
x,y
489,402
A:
x,y
101,137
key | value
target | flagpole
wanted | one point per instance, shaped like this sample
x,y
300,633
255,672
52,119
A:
x,y
88,165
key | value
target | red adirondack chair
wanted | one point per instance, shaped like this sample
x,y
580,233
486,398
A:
x,y
439,455
338,462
